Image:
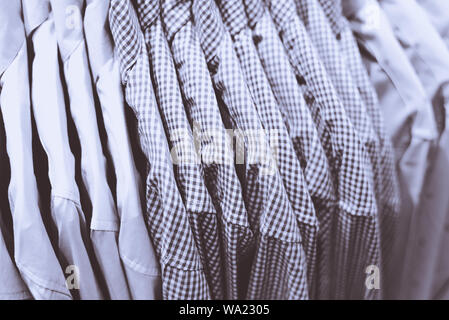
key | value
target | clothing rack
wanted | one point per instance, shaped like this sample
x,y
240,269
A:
x,y
239,149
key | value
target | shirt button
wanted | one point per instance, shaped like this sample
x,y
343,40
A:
x,y
310,99
257,39
281,34
301,80
213,67
338,36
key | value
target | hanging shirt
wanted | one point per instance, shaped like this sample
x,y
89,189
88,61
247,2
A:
x,y
437,12
188,171
327,47
104,222
421,42
33,251
135,247
183,274
13,287
375,35
302,132
408,115
216,151
215,148
352,58
265,196
430,58
387,184
357,218
49,109
235,20
426,246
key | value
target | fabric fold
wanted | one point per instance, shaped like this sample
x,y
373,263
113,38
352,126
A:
x,y
104,222
357,214
436,10
135,246
183,275
429,57
33,251
409,119
270,213
304,136
385,175
47,98
281,146
13,287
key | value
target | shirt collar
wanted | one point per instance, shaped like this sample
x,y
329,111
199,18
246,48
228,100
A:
x,y
209,27
68,17
334,14
127,35
147,11
35,12
97,33
234,16
175,14
282,11
12,32
254,11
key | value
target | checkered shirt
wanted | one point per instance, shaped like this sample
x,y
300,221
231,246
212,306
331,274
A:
x,y
303,133
278,233
333,11
329,49
356,229
388,192
182,272
255,10
188,171
235,20
202,106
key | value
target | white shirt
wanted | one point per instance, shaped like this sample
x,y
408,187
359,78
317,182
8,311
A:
x,y
408,115
105,221
51,121
136,249
33,252
429,56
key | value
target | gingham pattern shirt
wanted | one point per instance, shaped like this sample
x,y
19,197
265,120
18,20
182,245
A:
x,y
235,20
328,48
278,269
387,186
333,12
356,229
216,152
302,131
188,171
182,272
